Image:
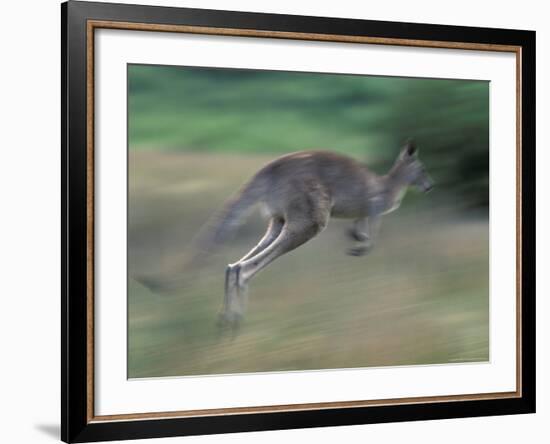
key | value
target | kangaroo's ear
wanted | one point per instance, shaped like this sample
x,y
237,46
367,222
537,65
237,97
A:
x,y
410,148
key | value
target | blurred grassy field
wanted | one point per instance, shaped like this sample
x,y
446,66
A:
x,y
420,297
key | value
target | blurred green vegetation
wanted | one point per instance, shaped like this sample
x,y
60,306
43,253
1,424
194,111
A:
x,y
420,297
248,111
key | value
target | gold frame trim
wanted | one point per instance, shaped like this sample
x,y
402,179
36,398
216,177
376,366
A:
x,y
97,24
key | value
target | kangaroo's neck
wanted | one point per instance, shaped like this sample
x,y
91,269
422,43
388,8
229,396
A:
x,y
396,188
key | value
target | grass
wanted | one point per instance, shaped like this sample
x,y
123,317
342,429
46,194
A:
x,y
420,297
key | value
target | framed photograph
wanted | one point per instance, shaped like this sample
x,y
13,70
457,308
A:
x,y
275,221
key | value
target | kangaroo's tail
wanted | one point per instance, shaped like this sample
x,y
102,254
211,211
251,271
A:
x,y
223,224
215,231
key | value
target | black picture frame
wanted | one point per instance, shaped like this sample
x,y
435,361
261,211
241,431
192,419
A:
x,y
77,425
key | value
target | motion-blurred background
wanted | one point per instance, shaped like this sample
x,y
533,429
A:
x,y
420,297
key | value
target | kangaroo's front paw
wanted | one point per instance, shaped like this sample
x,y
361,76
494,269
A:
x,y
356,235
359,250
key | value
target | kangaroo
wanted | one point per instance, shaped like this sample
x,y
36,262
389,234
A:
x,y
300,192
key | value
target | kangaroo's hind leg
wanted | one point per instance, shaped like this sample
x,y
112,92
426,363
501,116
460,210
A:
x,y
273,230
307,215
235,299
293,234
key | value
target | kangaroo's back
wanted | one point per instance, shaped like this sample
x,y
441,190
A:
x,y
331,168
344,180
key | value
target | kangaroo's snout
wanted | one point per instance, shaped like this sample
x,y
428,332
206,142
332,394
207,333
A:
x,y
427,185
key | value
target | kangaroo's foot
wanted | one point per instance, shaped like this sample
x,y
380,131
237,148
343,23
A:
x,y
228,325
233,308
229,320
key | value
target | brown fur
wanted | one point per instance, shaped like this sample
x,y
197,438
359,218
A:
x,y
300,192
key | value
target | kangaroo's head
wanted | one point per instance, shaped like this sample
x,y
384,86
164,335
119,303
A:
x,y
409,170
